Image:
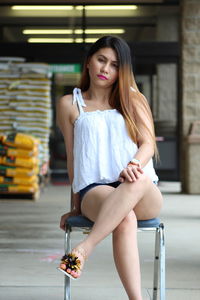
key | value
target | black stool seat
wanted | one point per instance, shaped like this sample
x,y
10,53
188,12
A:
x,y
81,221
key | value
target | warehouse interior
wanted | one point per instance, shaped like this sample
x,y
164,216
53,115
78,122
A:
x,y
55,39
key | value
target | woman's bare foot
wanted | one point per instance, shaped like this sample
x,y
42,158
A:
x,y
72,263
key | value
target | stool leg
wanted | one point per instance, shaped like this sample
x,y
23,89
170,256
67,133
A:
x,y
156,264
162,263
67,246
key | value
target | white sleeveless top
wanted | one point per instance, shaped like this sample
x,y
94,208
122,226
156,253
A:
x,y
102,146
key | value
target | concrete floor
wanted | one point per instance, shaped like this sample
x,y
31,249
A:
x,y
31,245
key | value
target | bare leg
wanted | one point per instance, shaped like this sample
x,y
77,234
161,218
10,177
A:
x,y
124,243
108,207
118,205
126,256
112,210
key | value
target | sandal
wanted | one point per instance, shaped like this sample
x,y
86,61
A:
x,y
70,263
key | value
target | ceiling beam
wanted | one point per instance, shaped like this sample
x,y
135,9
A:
x,y
144,51
74,2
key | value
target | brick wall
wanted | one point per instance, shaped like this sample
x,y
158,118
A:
x,y
190,73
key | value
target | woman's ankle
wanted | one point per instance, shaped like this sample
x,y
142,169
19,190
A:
x,y
80,251
85,247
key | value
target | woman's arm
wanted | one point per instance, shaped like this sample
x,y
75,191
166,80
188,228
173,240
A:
x,y
145,142
65,117
145,136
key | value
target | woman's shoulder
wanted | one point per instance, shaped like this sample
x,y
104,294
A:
x,y
65,101
66,107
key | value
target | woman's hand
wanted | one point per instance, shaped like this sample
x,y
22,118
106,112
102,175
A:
x,y
66,216
130,173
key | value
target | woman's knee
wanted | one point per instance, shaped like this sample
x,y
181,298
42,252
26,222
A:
x,y
129,222
142,182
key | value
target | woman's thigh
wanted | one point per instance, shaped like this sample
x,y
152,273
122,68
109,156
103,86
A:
x,y
150,205
147,207
93,200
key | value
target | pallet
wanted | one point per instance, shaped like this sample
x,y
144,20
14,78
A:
x,y
20,196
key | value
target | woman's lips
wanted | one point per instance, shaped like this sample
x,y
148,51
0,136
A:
x,y
102,77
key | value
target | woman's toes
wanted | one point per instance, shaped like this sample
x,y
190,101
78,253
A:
x,y
69,271
63,266
73,262
75,274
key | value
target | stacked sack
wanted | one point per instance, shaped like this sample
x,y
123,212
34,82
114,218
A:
x,y
25,101
19,163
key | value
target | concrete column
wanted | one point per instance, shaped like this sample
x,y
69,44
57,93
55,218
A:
x,y
167,93
190,73
166,108
167,27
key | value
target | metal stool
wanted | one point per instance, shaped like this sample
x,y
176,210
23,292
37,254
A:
x,y
153,225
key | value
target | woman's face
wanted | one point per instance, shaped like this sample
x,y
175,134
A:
x,y
103,67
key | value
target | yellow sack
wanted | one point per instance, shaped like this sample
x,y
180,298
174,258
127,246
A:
x,y
20,140
30,162
19,180
11,151
13,171
15,188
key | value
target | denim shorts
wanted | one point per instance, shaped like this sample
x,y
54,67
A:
x,y
90,186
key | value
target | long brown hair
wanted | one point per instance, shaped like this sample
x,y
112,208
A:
x,y
125,95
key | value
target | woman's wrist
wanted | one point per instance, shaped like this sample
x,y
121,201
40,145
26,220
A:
x,y
135,162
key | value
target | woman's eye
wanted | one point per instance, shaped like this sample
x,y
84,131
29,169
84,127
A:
x,y
115,66
100,59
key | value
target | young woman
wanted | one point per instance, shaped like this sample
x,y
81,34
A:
x,y
110,141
